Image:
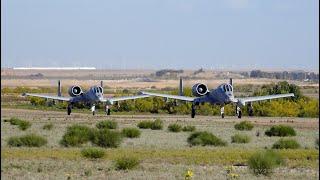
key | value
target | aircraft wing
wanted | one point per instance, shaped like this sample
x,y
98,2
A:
x,y
261,98
184,98
47,96
125,98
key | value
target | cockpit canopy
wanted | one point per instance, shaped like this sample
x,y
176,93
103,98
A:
x,y
226,87
97,89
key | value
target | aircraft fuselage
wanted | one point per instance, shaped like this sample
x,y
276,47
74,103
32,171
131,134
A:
x,y
222,95
93,95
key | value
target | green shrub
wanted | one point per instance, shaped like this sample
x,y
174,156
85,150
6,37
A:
x,y
264,162
244,126
131,132
107,138
76,135
23,125
15,141
92,153
145,124
240,138
30,140
280,130
126,163
93,135
14,121
189,128
175,127
107,124
47,126
205,138
157,125
286,144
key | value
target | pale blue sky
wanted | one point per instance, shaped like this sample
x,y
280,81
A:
x,y
161,33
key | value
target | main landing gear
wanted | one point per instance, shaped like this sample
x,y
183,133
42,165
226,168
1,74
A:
x,y
193,111
108,111
250,109
69,108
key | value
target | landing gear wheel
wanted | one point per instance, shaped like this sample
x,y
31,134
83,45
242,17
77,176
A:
x,y
250,112
193,111
222,112
239,114
69,109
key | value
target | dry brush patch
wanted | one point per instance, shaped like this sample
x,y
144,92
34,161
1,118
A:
x,y
201,155
104,169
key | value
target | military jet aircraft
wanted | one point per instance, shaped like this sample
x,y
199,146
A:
x,y
91,97
222,95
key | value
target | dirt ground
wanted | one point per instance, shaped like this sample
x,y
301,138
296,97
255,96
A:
x,y
136,84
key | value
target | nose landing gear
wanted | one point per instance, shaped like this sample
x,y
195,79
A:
x,y
93,109
238,112
222,111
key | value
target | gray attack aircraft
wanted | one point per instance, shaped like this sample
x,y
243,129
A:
x,y
91,97
222,95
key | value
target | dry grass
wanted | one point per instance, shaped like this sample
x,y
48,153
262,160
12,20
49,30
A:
x,y
191,156
49,168
168,157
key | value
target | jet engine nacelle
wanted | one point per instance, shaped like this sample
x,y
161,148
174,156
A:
x,y
75,91
199,89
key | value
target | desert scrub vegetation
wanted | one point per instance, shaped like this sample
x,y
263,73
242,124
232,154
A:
x,y
154,125
244,126
240,138
126,163
107,138
157,124
199,156
286,144
93,153
108,124
29,140
144,124
189,128
131,132
175,127
280,130
205,138
22,124
76,135
262,163
48,126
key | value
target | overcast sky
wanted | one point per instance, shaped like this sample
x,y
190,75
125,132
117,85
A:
x,y
189,34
